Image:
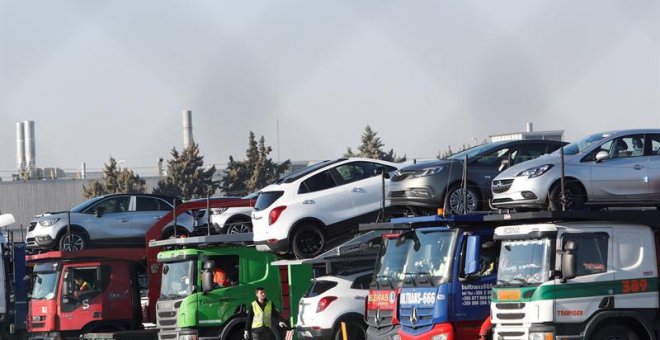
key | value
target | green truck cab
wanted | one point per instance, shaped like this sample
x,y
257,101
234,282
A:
x,y
190,309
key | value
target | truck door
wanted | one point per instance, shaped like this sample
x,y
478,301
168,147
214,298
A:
x,y
80,298
634,269
472,296
580,297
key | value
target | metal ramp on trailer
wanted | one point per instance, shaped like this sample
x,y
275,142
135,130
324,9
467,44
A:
x,y
244,239
649,218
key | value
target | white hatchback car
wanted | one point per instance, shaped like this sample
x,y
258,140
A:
x,y
332,300
301,212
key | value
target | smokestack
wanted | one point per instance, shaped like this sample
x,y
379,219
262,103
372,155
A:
x,y
530,127
30,148
83,170
187,128
20,147
160,166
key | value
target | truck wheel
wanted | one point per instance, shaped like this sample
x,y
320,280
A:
x,y
575,196
308,241
615,332
355,329
72,241
454,200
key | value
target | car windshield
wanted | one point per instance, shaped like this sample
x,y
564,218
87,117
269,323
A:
x,y
45,284
524,262
177,280
582,144
429,257
84,205
391,259
304,171
475,151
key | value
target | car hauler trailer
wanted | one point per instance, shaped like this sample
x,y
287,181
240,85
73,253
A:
x,y
13,293
577,275
191,306
448,274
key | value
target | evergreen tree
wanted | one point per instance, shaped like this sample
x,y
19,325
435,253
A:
x,y
255,172
371,147
186,177
115,181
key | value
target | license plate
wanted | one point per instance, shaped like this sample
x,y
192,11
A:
x,y
508,295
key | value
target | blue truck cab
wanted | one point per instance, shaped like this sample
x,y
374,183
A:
x,y
448,275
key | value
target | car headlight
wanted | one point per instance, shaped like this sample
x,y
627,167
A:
x,y
535,172
188,337
49,222
428,172
541,336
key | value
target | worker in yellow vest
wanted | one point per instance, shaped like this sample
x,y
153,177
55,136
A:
x,y
262,315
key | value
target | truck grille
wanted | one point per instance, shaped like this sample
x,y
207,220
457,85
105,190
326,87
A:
x,y
382,318
512,316
423,317
500,186
166,320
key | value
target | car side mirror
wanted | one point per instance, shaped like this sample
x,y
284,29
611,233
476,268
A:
x,y
99,211
602,155
382,171
505,164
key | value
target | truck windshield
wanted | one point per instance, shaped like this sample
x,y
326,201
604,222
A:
x,y
178,280
389,267
524,262
429,257
45,284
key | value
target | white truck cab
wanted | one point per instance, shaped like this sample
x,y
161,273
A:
x,y
587,275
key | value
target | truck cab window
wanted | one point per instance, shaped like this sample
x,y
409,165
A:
x,y
591,252
225,270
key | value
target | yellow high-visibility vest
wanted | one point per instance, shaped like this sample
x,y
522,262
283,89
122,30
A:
x,y
261,317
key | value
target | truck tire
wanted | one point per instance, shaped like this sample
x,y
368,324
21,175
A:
x,y
615,332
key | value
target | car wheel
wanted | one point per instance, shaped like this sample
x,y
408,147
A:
x,y
308,241
75,240
239,227
355,329
574,197
454,203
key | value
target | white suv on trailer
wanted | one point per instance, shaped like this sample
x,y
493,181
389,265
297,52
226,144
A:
x,y
301,212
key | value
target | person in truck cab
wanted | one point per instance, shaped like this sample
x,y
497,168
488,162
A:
x,y
262,316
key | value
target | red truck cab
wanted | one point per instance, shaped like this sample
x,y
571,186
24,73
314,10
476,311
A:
x,y
85,291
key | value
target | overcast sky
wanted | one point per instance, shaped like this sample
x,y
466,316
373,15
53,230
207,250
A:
x,y
104,78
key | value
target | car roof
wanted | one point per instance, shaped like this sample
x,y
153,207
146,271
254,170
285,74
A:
x,y
165,197
344,277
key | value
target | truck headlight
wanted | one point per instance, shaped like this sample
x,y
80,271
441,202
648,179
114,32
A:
x,y
49,222
541,336
188,337
442,336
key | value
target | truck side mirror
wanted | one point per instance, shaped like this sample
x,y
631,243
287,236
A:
x,y
207,281
569,261
472,262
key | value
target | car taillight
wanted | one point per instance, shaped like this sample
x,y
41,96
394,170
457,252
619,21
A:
x,y
324,303
275,214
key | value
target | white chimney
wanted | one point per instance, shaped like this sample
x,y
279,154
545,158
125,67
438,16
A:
x,y
187,129
20,147
83,170
30,148
530,127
